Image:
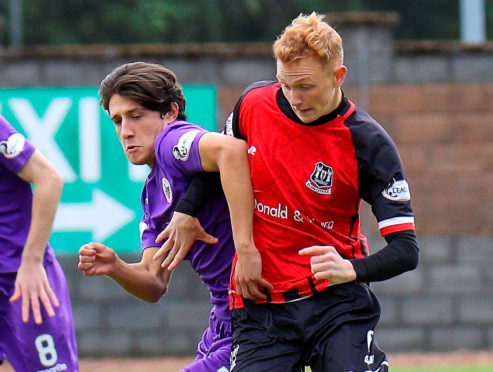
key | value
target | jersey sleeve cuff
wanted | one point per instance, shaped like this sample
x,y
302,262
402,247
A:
x,y
396,224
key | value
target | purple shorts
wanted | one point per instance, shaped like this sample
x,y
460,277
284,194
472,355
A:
x,y
214,349
49,346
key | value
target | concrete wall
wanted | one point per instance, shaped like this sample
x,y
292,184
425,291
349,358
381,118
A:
x,y
436,101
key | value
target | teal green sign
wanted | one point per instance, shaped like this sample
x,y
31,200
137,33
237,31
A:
x,y
101,195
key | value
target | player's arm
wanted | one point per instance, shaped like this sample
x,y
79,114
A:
x,y
202,186
228,155
146,279
383,185
32,283
184,229
400,255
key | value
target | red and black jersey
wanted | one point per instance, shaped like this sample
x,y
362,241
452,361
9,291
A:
x,y
309,180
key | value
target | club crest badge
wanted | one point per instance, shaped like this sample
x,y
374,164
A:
x,y
13,146
167,190
181,151
321,179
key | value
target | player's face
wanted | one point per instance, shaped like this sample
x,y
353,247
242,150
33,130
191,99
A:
x,y
312,88
137,128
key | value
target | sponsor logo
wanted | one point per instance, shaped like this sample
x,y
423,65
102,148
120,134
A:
x,y
397,191
181,151
300,217
321,179
167,190
279,211
252,150
13,146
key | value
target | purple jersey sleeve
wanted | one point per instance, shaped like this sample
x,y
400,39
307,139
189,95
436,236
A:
x,y
15,149
15,198
178,148
177,160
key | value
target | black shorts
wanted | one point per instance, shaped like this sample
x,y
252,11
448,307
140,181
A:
x,y
332,331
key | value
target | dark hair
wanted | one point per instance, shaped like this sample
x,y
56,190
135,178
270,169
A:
x,y
148,84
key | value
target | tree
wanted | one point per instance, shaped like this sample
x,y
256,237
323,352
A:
x,y
55,22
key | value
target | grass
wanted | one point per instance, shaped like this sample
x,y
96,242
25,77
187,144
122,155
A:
x,y
176,364
444,369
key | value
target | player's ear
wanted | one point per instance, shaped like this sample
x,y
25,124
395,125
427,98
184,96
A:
x,y
172,114
340,74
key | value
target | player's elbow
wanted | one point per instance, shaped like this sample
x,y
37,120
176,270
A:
x,y
232,151
413,261
411,258
55,181
156,294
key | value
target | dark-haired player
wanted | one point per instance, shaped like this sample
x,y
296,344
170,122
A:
x,y
147,106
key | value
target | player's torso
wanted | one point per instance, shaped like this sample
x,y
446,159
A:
x,y
305,179
164,187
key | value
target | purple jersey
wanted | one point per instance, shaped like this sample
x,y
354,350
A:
x,y
28,346
177,160
15,198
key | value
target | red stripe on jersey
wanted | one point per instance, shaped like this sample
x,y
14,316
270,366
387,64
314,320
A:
x,y
395,228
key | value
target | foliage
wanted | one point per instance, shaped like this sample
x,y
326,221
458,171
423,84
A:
x,y
55,22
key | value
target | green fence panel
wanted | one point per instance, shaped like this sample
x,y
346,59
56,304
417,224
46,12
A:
x,y
101,195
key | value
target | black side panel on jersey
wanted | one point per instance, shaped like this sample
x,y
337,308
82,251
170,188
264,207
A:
x,y
235,122
377,155
379,165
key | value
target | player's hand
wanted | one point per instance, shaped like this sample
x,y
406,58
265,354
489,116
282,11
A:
x,y
248,276
327,263
33,287
96,259
181,233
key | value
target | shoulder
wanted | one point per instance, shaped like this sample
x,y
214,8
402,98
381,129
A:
x,y
177,141
259,88
15,149
6,129
178,132
367,132
250,96
360,120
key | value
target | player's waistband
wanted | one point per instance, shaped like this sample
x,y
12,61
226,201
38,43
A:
x,y
292,295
